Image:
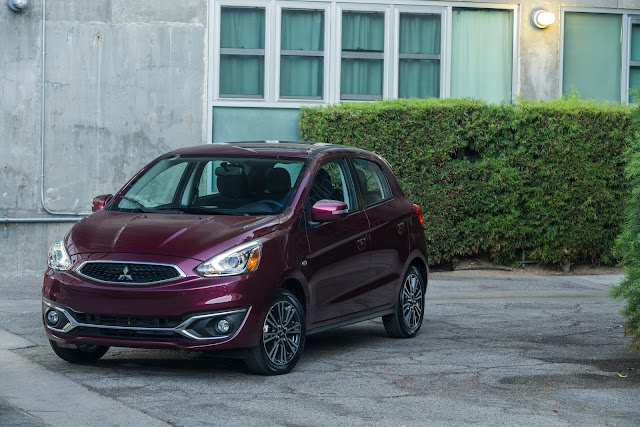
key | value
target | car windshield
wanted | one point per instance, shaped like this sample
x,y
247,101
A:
x,y
206,185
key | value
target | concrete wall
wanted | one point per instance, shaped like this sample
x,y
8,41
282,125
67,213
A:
x,y
124,82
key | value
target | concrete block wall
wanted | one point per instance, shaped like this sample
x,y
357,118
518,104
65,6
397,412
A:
x,y
124,82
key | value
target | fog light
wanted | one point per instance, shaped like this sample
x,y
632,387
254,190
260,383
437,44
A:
x,y
52,317
223,326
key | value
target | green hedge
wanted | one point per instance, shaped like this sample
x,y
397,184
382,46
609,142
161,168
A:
x,y
628,245
546,177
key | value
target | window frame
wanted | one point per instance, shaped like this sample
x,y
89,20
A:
x,y
385,56
633,20
326,54
445,36
218,51
629,17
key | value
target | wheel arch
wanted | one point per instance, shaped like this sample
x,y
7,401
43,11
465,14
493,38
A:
x,y
294,286
420,263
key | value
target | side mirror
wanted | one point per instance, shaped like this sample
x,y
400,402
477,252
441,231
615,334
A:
x,y
328,210
100,202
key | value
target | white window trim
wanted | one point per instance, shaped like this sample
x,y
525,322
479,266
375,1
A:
x,y
333,52
219,4
325,7
632,20
444,13
388,30
629,16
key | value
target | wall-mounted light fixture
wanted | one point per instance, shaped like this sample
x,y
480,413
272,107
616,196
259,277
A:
x,y
18,5
542,18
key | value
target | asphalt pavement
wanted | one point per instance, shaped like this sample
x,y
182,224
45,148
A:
x,y
494,350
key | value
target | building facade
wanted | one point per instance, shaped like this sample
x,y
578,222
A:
x,y
92,91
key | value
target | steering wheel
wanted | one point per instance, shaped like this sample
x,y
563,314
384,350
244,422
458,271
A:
x,y
271,203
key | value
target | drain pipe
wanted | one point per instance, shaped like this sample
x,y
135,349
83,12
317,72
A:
x,y
42,123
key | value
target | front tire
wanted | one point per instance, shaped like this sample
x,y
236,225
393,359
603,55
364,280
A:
x,y
408,313
283,337
85,353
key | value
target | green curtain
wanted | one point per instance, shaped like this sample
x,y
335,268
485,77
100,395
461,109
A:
x,y
634,72
242,28
482,54
302,76
419,33
592,58
362,32
241,75
419,78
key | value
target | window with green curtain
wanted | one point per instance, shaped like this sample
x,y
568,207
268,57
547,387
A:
x,y
592,57
419,58
242,32
362,55
634,62
482,54
302,54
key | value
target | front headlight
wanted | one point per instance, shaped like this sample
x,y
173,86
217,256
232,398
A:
x,y
241,259
59,258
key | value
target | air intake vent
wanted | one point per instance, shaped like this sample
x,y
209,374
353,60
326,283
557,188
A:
x,y
129,273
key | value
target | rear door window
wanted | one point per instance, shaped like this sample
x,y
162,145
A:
x,y
372,181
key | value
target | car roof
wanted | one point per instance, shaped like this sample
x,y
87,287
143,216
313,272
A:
x,y
264,148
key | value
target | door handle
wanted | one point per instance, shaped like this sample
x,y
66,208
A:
x,y
361,244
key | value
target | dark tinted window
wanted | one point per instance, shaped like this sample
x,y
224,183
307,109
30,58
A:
x,y
372,181
332,183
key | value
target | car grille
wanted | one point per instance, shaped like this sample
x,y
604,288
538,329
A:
x,y
133,321
129,273
123,333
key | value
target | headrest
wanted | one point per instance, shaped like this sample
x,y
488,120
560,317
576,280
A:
x,y
233,185
256,181
278,181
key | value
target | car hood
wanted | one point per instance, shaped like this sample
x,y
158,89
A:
x,y
189,236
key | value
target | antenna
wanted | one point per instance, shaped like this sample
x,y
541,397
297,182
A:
x,y
310,130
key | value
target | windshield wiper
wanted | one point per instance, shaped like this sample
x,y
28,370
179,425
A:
x,y
203,210
142,207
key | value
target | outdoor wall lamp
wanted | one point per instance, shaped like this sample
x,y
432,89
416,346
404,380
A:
x,y
542,18
18,5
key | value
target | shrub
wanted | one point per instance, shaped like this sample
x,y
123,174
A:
x,y
628,245
544,177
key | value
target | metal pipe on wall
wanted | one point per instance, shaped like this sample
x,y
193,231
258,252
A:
x,y
39,220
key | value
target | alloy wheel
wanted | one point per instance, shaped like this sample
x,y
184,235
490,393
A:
x,y
412,301
281,333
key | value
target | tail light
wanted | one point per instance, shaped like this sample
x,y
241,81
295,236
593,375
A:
x,y
418,211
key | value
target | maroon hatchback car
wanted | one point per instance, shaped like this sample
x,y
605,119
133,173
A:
x,y
244,248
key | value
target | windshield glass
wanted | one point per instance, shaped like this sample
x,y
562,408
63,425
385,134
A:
x,y
206,185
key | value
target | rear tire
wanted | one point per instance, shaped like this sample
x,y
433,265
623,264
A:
x,y
85,353
282,339
408,313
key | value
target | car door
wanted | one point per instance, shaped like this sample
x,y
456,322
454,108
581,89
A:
x,y
338,263
388,217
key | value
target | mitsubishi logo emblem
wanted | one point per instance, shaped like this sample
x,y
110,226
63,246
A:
x,y
125,274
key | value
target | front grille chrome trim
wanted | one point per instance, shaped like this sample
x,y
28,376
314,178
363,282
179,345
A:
x,y
182,328
181,274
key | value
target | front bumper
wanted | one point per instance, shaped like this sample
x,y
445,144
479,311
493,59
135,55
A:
x,y
180,314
